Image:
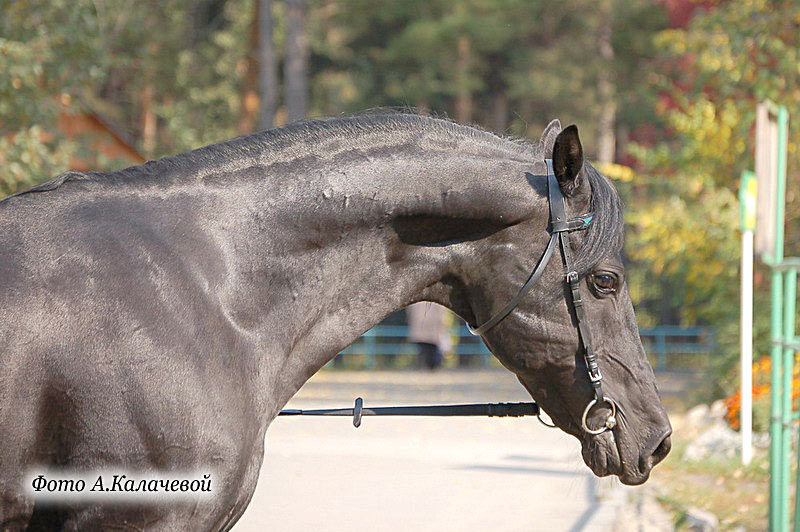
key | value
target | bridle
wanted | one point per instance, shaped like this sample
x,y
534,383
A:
x,y
560,228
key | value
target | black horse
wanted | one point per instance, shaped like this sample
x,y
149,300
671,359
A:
x,y
156,319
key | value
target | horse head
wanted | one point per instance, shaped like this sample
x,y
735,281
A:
x,y
573,341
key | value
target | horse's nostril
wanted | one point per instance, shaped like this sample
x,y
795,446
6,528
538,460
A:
x,y
648,461
662,450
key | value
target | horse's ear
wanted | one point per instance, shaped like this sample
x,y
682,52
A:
x,y
568,159
549,137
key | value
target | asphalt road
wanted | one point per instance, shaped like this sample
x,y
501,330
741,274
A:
x,y
413,474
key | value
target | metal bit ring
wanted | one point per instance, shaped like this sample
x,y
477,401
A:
x,y
611,420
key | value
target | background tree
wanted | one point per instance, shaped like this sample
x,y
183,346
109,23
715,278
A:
x,y
267,65
296,52
43,70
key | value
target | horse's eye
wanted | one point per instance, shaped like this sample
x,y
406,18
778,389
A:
x,y
605,282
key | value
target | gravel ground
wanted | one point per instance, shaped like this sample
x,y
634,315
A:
x,y
424,473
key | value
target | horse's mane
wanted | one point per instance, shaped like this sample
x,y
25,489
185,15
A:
x,y
606,234
315,137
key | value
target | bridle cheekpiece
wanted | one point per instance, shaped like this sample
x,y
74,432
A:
x,y
560,228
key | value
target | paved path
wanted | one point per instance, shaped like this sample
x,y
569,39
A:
x,y
410,474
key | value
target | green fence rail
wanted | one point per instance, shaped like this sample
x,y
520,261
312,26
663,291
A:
x,y
671,347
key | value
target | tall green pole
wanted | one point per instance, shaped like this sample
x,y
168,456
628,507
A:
x,y
788,372
776,504
789,322
788,360
790,293
781,392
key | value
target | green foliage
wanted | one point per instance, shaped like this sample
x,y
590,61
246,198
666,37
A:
x,y
47,49
44,65
201,98
685,231
195,58
71,55
26,159
540,56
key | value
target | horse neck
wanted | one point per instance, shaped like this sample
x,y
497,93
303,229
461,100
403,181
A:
x,y
337,249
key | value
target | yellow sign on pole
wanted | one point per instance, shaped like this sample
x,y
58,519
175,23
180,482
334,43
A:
x,y
748,199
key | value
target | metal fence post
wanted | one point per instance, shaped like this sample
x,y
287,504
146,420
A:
x,y
747,223
788,378
776,404
778,451
661,350
369,349
790,309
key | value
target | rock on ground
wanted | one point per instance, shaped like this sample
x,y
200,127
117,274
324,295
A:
x,y
642,512
717,441
699,520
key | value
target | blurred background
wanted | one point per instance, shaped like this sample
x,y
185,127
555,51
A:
x,y
663,91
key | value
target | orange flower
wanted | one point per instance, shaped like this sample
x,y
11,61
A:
x,y
761,389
